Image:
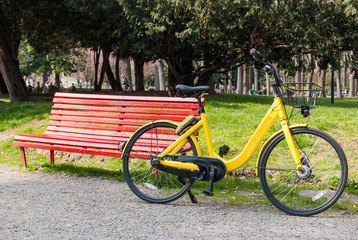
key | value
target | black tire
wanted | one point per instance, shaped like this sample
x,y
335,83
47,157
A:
x,y
148,183
314,191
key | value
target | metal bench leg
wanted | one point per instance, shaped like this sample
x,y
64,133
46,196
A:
x,y
52,156
23,157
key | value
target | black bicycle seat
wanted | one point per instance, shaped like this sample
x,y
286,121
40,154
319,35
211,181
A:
x,y
187,89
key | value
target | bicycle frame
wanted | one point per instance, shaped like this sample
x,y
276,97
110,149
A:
x,y
276,111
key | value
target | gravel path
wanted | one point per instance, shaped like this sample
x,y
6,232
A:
x,y
56,206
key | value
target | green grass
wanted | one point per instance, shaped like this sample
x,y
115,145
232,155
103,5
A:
x,y
4,99
15,114
232,121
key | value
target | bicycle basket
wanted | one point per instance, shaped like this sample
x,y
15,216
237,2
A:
x,y
300,95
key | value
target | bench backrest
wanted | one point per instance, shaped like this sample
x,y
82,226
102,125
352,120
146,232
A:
x,y
113,117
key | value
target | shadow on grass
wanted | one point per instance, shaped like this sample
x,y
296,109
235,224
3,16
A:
x,y
82,171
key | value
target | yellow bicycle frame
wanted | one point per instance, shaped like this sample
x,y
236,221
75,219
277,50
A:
x,y
276,111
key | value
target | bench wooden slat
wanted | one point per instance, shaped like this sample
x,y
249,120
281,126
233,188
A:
x,y
163,139
99,134
126,104
118,115
86,136
127,98
142,146
72,137
100,124
96,120
98,110
86,131
67,149
92,126
66,142
96,126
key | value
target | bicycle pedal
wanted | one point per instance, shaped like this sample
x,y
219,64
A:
x,y
223,150
210,192
207,192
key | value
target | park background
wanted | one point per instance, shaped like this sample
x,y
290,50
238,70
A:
x,y
159,43
196,42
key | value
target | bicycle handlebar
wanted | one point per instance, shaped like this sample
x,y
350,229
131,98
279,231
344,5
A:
x,y
258,56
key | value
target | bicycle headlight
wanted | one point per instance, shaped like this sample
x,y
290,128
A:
x,y
306,111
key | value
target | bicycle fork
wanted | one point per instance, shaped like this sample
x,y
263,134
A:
x,y
290,140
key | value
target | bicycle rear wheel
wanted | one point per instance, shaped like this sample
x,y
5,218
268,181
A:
x,y
309,192
147,182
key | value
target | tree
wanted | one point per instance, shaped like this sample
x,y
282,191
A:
x,y
181,32
57,61
9,65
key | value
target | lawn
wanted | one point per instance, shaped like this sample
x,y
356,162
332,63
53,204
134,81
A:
x,y
232,118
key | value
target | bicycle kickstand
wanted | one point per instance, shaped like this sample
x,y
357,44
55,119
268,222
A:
x,y
191,195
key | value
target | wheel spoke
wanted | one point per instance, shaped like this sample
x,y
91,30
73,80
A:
x,y
158,187
324,167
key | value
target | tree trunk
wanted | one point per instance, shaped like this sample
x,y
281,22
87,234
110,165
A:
x,y
9,65
225,79
3,88
127,72
302,75
185,70
267,84
181,70
118,72
250,79
322,81
311,73
239,84
57,79
105,63
298,72
112,80
44,79
339,83
256,80
161,75
344,74
310,79
139,74
96,56
229,79
246,79
206,79
156,77
171,83
351,83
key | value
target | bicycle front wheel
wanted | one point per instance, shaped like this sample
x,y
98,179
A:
x,y
315,189
147,182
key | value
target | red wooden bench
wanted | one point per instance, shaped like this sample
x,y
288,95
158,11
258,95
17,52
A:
x,y
100,124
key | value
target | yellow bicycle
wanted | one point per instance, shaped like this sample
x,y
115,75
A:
x,y
303,171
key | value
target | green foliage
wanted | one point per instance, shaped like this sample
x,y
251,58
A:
x,y
57,60
214,34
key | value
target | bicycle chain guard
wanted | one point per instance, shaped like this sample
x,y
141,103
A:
x,y
204,163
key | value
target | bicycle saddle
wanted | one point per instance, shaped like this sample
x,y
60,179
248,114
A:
x,y
186,89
